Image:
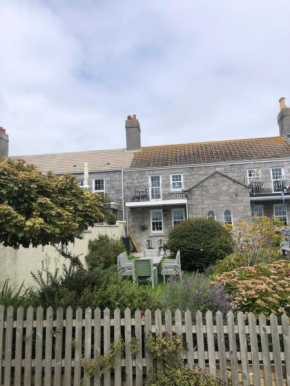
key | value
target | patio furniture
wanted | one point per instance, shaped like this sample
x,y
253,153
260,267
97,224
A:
x,y
143,270
140,195
150,252
171,267
162,246
125,266
149,244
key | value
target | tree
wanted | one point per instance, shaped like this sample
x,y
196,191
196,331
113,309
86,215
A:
x,y
201,242
39,209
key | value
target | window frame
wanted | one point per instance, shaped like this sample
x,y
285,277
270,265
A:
x,y
261,206
285,206
172,219
94,185
171,183
150,187
211,218
151,221
251,179
226,222
273,180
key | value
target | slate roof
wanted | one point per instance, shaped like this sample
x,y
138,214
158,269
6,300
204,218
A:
x,y
98,160
212,152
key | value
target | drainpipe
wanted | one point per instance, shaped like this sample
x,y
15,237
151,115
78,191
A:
x,y
186,206
123,202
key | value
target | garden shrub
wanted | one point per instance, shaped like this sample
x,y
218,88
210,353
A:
x,y
260,289
167,349
195,292
16,296
104,251
253,244
201,242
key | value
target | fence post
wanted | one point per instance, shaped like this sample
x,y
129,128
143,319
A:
x,y
68,347
48,346
243,348
58,347
28,347
200,342
88,344
276,350
2,311
221,347
78,346
189,339
38,346
97,344
18,346
254,349
128,356
265,350
286,340
107,343
210,343
139,355
148,332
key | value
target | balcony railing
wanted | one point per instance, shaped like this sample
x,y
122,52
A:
x,y
154,193
270,187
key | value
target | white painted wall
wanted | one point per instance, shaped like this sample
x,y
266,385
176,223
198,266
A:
x,y
17,264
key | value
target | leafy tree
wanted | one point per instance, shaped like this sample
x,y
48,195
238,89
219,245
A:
x,y
39,209
201,242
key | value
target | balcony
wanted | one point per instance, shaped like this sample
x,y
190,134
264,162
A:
x,y
153,196
270,188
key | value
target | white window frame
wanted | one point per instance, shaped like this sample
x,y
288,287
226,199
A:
x,y
225,222
282,179
171,182
81,183
256,178
174,210
274,206
261,206
150,187
151,227
99,191
207,216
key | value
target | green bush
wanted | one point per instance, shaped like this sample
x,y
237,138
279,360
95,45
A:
x,y
16,296
201,242
104,251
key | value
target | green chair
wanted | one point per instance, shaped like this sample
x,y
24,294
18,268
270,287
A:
x,y
143,271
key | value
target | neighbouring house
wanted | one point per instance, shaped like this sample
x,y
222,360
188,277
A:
x,y
154,188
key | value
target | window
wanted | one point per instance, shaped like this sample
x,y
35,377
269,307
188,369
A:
x,y
177,216
155,187
280,213
211,215
156,221
81,183
277,179
99,186
228,217
254,175
257,211
176,182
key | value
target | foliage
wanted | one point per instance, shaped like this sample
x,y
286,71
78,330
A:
x,y
104,251
201,242
105,362
260,289
16,297
195,292
40,209
167,349
98,287
253,243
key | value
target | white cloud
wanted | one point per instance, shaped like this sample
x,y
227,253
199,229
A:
x,y
70,72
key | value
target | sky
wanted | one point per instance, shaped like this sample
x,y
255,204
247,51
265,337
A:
x,y
191,70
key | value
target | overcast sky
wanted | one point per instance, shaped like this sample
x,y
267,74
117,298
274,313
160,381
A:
x,y
191,70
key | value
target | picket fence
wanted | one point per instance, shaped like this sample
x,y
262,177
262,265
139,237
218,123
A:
x,y
46,348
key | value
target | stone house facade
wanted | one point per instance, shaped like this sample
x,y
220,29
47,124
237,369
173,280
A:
x,y
154,188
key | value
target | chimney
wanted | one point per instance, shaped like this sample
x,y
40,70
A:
x,y
4,141
133,134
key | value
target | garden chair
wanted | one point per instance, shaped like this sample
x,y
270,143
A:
x,y
150,252
143,270
125,266
171,267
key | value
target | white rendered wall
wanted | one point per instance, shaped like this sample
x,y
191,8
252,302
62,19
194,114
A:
x,y
17,264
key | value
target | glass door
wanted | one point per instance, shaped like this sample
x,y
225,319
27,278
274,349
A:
x,y
155,188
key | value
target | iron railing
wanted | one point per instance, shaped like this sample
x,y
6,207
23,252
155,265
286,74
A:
x,y
154,193
270,187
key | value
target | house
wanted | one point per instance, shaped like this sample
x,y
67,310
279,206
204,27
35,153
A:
x,y
154,188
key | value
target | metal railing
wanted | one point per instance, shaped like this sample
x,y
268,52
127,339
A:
x,y
270,187
154,193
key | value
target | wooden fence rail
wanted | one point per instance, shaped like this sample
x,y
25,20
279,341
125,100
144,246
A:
x,y
47,348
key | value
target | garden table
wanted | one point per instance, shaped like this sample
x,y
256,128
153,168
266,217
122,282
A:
x,y
155,259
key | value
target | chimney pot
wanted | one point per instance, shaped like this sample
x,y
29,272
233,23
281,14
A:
x,y
134,116
4,142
